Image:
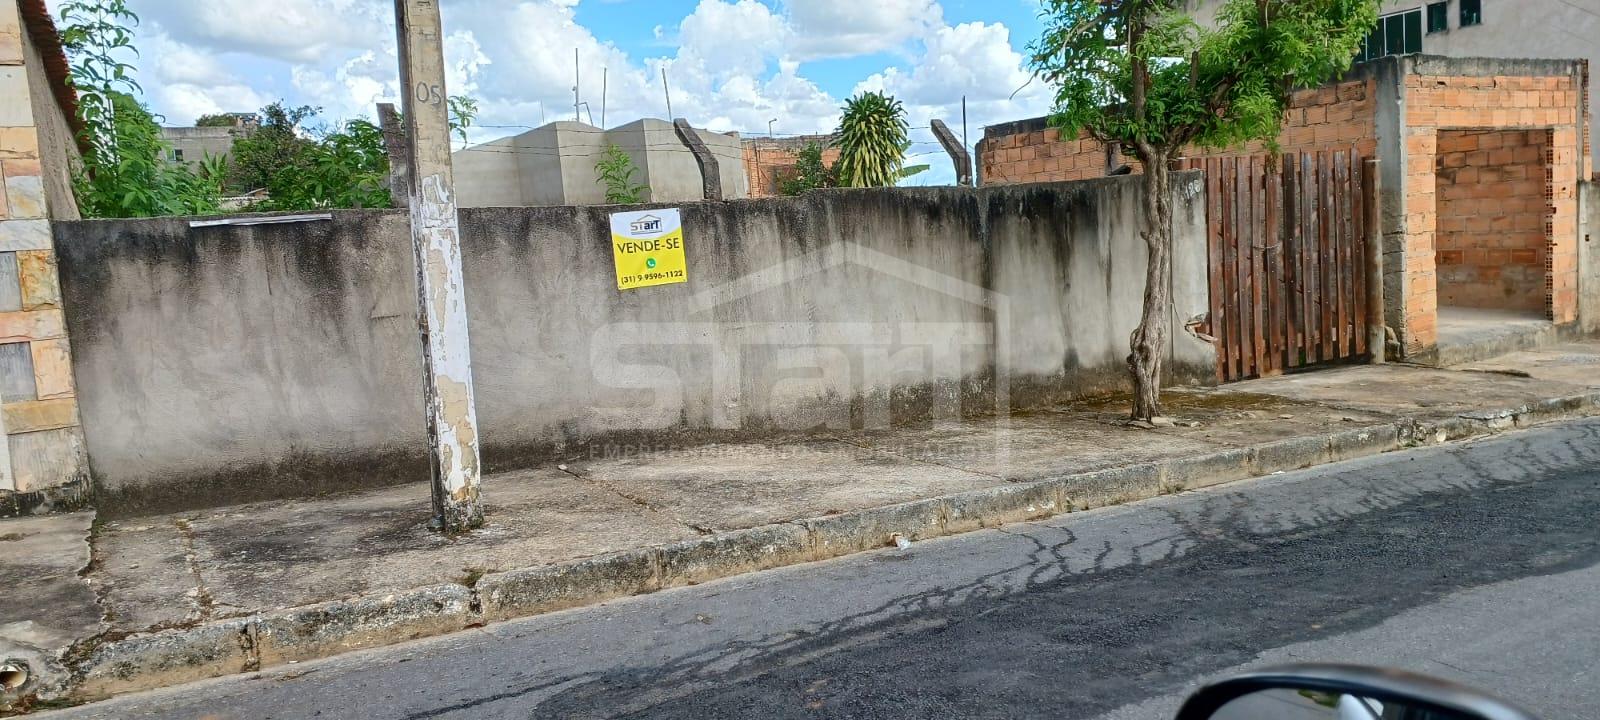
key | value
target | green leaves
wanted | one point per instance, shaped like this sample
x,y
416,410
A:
x,y
616,172
872,141
912,171
215,120
347,167
1143,73
463,110
810,172
122,173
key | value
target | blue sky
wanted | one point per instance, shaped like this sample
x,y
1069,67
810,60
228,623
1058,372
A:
x,y
732,64
630,24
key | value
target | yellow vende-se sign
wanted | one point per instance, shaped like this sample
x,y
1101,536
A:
x,y
647,246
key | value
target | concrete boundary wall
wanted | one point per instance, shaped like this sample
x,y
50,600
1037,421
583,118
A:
x,y
224,364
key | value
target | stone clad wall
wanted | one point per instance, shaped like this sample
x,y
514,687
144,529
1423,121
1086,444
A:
x,y
42,464
223,364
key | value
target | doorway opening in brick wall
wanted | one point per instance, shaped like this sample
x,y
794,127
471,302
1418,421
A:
x,y
1493,238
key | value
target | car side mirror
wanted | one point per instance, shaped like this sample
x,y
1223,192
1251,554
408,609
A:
x,y
1342,692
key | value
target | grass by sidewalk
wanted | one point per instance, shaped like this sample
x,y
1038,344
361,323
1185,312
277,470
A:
x,y
227,590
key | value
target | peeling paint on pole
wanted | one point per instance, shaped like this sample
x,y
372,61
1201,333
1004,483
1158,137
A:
x,y
441,295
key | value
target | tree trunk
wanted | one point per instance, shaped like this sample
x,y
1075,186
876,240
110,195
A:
x,y
1149,341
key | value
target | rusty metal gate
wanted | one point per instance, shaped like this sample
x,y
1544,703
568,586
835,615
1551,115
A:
x,y
1287,243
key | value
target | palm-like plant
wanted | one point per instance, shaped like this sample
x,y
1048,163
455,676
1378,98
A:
x,y
872,141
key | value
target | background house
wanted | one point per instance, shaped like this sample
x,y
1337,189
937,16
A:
x,y
193,144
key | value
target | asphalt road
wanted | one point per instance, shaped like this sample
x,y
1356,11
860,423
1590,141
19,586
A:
x,y
1479,563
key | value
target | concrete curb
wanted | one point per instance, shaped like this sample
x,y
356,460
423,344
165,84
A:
x,y
148,660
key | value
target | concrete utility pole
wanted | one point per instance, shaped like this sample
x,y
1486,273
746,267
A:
x,y
957,151
441,297
394,142
710,173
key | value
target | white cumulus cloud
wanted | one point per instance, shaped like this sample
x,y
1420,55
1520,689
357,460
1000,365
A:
x,y
841,28
291,30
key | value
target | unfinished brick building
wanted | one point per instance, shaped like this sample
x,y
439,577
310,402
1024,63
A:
x,y
769,161
1480,162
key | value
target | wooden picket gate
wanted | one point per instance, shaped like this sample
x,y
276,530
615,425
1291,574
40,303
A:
x,y
1287,246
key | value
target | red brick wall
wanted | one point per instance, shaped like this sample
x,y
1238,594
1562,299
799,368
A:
x,y
1491,226
1040,156
1335,116
768,161
1438,102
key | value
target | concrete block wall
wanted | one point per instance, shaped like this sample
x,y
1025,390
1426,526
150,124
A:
x,y
670,169
1492,212
42,464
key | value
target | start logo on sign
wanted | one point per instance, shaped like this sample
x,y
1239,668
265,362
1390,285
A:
x,y
647,246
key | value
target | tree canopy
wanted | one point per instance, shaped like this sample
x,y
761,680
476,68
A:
x,y
809,172
303,169
1143,74
122,173
216,120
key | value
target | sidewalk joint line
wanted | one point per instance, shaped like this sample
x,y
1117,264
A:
x,y
635,499
100,589
202,599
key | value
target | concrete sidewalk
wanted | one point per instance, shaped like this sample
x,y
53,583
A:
x,y
140,603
